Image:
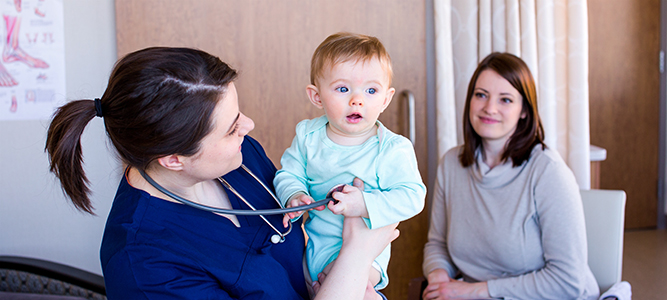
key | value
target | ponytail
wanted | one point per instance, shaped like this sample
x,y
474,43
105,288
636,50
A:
x,y
63,145
159,101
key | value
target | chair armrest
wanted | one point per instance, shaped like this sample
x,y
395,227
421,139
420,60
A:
x,y
25,296
78,277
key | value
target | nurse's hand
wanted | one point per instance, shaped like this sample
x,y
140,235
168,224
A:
x,y
361,239
358,238
348,278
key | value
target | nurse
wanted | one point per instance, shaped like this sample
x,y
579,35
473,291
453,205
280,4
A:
x,y
174,114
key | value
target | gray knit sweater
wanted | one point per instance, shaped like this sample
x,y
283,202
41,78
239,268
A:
x,y
520,229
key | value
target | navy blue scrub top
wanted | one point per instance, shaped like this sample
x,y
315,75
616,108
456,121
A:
x,y
156,249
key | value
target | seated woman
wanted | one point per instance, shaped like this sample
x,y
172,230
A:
x,y
173,114
506,215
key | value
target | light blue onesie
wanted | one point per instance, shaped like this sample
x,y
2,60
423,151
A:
x,y
393,189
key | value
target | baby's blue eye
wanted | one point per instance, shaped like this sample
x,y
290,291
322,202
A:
x,y
342,89
371,91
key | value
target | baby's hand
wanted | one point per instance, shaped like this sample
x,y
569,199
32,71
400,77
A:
x,y
350,201
297,199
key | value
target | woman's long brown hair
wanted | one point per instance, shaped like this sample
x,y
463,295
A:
x,y
529,131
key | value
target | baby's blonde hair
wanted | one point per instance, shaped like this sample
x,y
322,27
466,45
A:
x,y
345,46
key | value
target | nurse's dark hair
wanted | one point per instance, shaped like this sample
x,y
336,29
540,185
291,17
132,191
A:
x,y
159,101
529,131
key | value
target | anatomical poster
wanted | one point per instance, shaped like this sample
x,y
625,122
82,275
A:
x,y
32,66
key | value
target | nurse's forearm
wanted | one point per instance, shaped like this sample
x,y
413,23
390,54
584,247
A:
x,y
348,277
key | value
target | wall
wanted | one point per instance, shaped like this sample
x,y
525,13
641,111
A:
x,y
36,220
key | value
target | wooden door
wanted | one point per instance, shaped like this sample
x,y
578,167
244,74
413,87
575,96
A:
x,y
624,79
271,43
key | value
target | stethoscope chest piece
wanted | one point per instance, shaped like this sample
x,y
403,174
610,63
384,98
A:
x,y
276,239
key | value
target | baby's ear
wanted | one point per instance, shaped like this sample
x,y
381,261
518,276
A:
x,y
388,97
314,95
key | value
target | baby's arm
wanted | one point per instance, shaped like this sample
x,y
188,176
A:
x,y
401,194
401,191
290,181
291,178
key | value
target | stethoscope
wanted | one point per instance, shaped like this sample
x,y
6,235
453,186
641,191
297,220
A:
x,y
279,237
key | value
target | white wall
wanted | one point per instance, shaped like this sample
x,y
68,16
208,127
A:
x,y
36,220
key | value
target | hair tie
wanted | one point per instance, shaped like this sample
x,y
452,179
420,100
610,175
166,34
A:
x,y
98,107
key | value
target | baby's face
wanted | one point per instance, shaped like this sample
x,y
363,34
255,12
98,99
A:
x,y
353,94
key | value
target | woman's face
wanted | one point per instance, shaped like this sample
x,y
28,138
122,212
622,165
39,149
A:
x,y
495,107
220,150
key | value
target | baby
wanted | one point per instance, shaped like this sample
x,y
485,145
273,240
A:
x,y
351,80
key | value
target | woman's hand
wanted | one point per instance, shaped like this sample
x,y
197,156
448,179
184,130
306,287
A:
x,y
444,288
438,275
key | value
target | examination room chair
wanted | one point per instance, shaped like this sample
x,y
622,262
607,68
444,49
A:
x,y
604,213
35,279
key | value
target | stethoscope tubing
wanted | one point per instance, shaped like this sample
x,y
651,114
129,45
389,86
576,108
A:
x,y
238,212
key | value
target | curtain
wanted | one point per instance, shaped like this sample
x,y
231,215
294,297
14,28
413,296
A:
x,y
551,36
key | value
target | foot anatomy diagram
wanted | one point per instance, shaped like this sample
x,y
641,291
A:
x,y
12,51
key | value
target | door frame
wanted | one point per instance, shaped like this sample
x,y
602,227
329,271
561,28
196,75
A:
x,y
662,148
431,127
